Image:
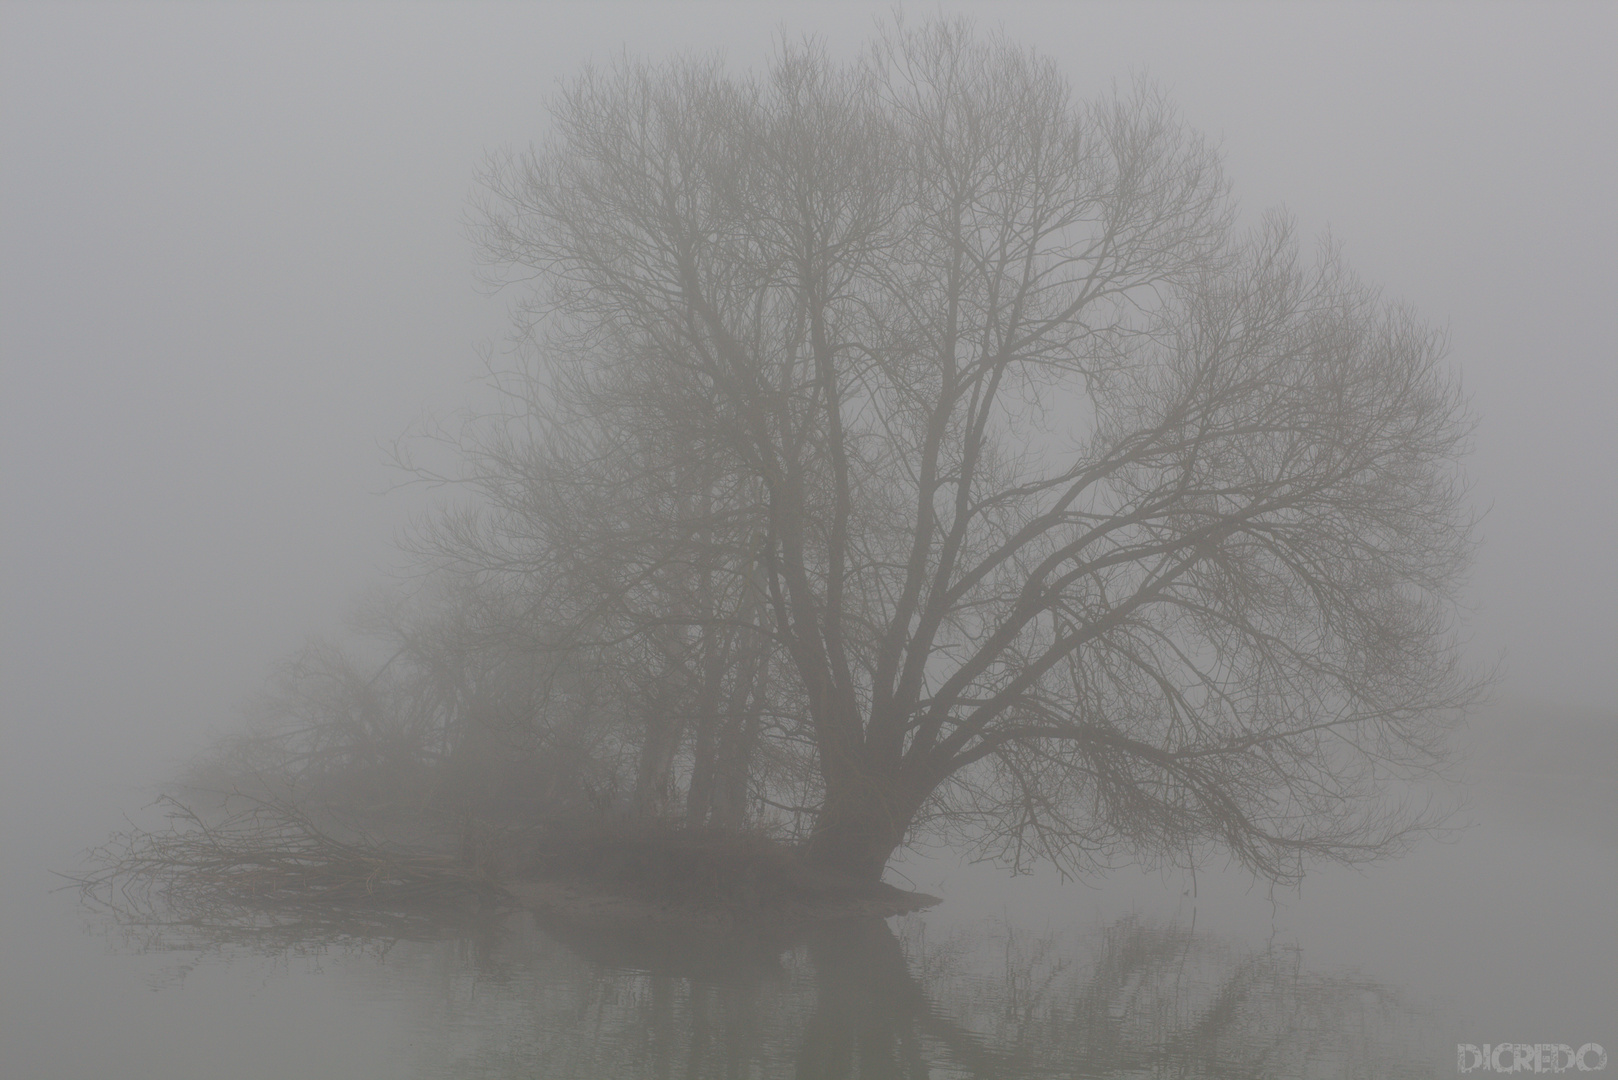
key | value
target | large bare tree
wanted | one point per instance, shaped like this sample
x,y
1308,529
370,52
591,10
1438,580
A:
x,y
1080,519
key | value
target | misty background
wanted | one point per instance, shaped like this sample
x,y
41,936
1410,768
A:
x,y
233,270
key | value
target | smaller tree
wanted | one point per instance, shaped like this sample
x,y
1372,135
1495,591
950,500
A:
x,y
442,701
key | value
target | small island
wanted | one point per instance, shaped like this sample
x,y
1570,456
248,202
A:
x,y
250,861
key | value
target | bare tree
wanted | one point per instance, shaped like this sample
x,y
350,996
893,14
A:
x,y
1081,520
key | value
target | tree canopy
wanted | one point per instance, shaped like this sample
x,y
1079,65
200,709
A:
x,y
925,446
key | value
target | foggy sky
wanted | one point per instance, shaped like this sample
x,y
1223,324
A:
x,y
233,268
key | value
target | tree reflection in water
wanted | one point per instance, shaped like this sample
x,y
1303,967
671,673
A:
x,y
1134,1000
875,999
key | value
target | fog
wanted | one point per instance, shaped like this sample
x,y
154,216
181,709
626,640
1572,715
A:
x,y
235,270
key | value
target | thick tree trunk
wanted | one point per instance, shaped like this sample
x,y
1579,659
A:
x,y
861,824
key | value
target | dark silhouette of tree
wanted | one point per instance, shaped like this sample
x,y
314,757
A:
x,y
944,436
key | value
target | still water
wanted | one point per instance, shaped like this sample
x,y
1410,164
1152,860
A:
x,y
1509,933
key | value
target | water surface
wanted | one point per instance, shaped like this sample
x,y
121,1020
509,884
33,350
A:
x,y
1508,933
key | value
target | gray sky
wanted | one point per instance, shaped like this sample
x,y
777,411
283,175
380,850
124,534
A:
x,y
233,267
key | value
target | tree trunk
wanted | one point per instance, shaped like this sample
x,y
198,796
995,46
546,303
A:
x,y
700,795
737,738
731,796
861,823
654,778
